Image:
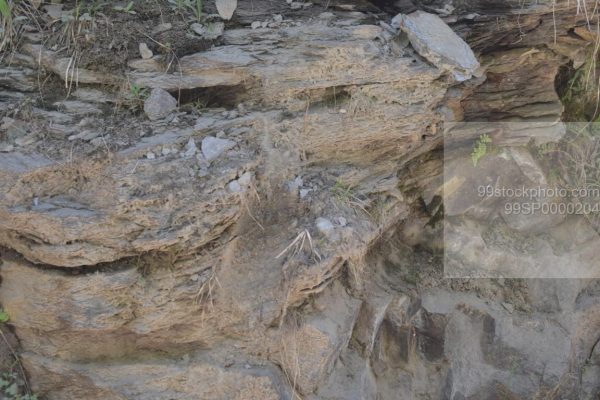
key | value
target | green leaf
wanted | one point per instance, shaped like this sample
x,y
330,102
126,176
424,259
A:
x,y
4,317
4,9
4,383
12,390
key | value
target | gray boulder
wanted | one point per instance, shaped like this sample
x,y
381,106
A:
x,y
435,41
159,104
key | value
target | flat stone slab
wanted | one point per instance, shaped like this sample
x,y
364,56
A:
x,y
440,45
213,147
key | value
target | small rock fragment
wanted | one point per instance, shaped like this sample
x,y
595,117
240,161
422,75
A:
x,y
210,31
153,64
94,95
294,185
226,8
528,165
86,122
55,11
190,149
204,123
215,30
508,307
162,28
246,179
145,52
6,147
342,221
77,107
150,155
198,28
159,104
97,142
277,18
325,226
304,192
26,140
213,147
202,172
86,135
255,24
234,187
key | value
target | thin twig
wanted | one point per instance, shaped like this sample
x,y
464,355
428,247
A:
x,y
14,354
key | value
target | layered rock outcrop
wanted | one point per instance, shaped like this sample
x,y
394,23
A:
x,y
282,243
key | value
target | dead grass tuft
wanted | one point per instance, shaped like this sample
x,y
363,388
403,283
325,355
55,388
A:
x,y
298,244
14,17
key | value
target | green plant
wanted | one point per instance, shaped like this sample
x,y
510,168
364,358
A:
x,y
74,25
195,6
10,388
480,148
575,86
126,9
94,7
198,9
342,191
4,317
13,15
134,99
4,9
345,195
136,91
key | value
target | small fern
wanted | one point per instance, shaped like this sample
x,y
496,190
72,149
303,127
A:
x,y
480,148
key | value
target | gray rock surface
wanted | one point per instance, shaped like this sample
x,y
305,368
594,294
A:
x,y
213,147
190,149
159,104
145,52
433,39
132,271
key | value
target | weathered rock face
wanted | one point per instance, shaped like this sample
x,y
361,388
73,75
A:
x,y
281,243
434,40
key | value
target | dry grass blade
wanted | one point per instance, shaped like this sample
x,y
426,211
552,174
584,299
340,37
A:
x,y
9,27
16,357
298,244
6,24
291,356
207,288
14,15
